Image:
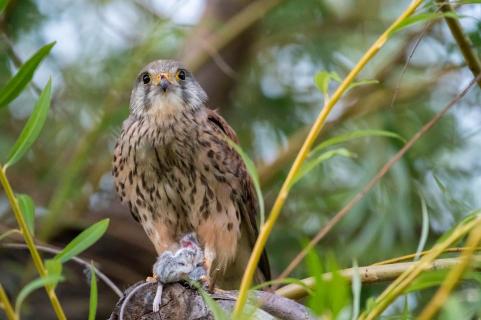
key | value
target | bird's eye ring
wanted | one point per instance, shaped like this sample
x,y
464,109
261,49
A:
x,y
181,74
146,78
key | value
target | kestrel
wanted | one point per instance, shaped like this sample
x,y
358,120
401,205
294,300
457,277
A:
x,y
173,166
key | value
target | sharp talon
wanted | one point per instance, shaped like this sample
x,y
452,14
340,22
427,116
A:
x,y
152,279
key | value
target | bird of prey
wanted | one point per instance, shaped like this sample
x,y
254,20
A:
x,y
175,169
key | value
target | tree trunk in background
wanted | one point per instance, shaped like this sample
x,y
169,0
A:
x,y
213,75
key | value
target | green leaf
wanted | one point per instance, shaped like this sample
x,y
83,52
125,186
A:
x,y
355,135
54,267
93,294
13,87
34,285
83,241
422,17
251,169
3,5
425,228
361,83
214,307
27,207
314,162
33,127
321,80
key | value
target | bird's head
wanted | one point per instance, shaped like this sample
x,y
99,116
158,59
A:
x,y
165,87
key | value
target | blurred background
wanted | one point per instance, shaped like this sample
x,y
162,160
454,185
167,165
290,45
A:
x,y
257,61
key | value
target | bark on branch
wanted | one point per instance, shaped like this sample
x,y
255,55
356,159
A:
x,y
179,301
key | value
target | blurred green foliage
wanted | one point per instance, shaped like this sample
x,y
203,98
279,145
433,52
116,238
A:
x,y
101,45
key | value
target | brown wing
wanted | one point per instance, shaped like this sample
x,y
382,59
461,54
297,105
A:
x,y
249,207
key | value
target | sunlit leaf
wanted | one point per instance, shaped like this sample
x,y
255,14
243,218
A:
x,y
83,241
423,17
251,169
15,86
321,80
93,294
314,162
317,300
54,267
338,288
34,285
355,135
32,128
27,207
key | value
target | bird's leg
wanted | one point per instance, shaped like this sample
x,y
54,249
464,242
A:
x,y
210,256
158,297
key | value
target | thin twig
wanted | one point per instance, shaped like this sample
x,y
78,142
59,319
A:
x,y
81,261
463,41
360,195
127,298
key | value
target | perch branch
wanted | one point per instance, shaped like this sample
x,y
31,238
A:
x,y
369,274
360,195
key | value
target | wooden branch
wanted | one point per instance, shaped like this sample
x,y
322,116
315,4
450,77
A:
x,y
464,43
371,274
179,301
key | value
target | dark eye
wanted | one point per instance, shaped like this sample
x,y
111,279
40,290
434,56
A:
x,y
181,74
145,78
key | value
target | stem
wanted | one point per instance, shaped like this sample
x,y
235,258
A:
x,y
453,277
464,43
7,306
37,260
303,153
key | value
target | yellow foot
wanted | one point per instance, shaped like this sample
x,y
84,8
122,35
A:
x,y
152,279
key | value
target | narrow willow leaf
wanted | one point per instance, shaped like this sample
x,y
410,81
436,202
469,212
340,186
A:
x,y
32,286
214,307
93,294
314,162
321,80
425,228
32,128
27,207
54,267
356,291
15,86
251,169
83,241
361,83
423,17
355,135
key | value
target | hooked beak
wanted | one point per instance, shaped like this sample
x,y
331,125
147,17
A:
x,y
164,84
